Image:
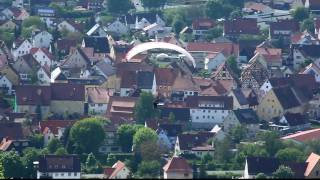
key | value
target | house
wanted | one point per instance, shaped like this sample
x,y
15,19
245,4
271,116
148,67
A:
x,y
142,80
121,107
9,72
99,44
177,168
97,31
14,145
141,20
241,26
312,69
213,61
291,122
281,100
225,73
15,13
42,55
7,25
183,87
283,28
265,165
20,3
254,75
111,142
70,26
59,167
54,129
196,144
63,46
98,99
239,99
153,30
67,98
313,167
207,111
44,75
303,136
272,56
303,81
26,66
5,85
244,117
301,53
313,5
200,27
41,39
77,59
170,39
33,99
47,15
20,47
199,50
95,5
117,171
165,78
105,68
117,27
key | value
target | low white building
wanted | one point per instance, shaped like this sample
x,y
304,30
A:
x,y
206,111
20,48
42,39
117,27
98,99
59,167
5,85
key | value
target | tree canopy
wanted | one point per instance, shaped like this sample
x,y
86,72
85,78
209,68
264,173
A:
x,y
283,172
126,133
88,134
300,14
144,135
144,109
119,6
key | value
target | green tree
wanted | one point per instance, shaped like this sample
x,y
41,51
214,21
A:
x,y
178,24
233,64
7,37
29,156
214,9
149,169
61,151
213,33
36,141
222,150
300,14
261,176
119,6
238,133
272,142
283,172
33,21
144,109
153,4
237,13
307,24
144,135
150,150
91,161
88,134
290,154
12,165
126,133
53,145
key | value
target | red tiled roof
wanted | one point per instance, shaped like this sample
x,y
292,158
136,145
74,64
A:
x,y
270,54
5,144
177,164
200,24
118,166
312,161
226,48
54,125
304,136
165,76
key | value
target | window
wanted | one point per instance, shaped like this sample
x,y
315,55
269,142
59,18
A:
x,y
75,174
186,175
203,117
317,173
69,174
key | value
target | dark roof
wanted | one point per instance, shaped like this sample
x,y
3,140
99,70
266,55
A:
x,y
314,5
65,44
129,66
225,101
165,76
145,79
241,26
33,95
284,25
312,50
99,44
181,114
267,166
189,141
294,119
172,130
286,97
55,163
240,96
67,92
11,130
247,116
202,24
